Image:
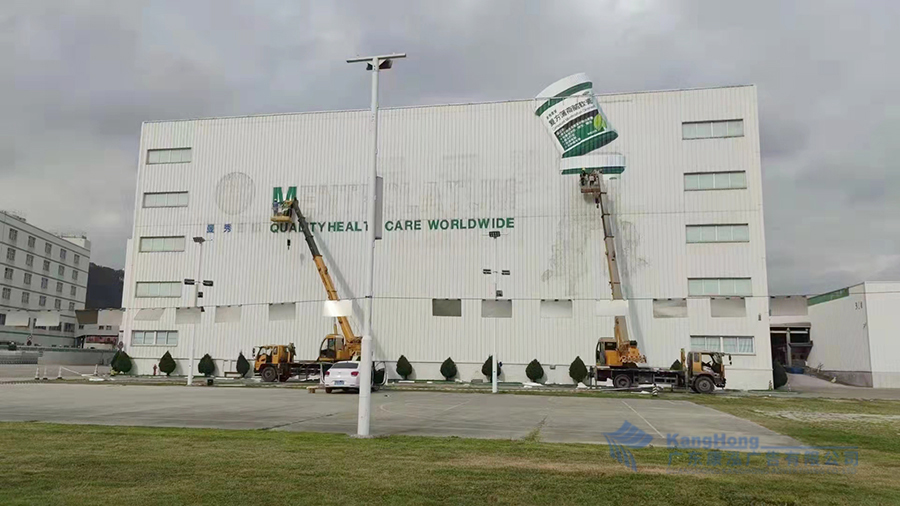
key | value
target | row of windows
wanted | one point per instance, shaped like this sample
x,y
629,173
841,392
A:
x,y
158,289
702,287
739,345
154,337
26,279
156,244
177,155
48,247
712,129
718,233
732,180
6,294
166,199
29,262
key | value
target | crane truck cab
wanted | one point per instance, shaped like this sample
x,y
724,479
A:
x,y
704,370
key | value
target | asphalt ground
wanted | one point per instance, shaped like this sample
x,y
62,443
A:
x,y
442,414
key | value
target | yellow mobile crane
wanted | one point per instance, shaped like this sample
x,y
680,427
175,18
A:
x,y
279,361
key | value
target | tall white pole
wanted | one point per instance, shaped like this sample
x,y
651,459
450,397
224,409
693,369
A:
x,y
494,379
365,366
190,378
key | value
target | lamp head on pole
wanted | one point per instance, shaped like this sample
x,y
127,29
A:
x,y
384,61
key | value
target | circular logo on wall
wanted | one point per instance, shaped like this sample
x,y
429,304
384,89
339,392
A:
x,y
235,192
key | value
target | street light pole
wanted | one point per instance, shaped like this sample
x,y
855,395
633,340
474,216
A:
x,y
199,241
374,64
495,234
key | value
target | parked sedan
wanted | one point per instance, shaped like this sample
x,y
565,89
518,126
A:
x,y
345,375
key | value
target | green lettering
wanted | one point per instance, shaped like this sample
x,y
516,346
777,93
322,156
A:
x,y
389,225
278,196
293,227
407,225
499,222
472,223
398,225
283,227
445,224
321,226
332,226
339,226
484,222
454,224
418,224
273,227
433,224
510,223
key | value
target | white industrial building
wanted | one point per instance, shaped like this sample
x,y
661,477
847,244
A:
x,y
44,282
687,209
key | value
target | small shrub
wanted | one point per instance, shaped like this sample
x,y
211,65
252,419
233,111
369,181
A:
x,y
676,365
243,366
404,368
534,371
448,369
486,369
779,375
167,364
207,366
577,370
121,363
11,346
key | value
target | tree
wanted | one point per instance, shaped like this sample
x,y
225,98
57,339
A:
x,y
167,364
121,362
448,369
534,371
404,368
243,367
207,366
486,369
779,375
577,370
676,365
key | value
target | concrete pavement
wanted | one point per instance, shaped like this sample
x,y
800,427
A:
x,y
554,419
811,386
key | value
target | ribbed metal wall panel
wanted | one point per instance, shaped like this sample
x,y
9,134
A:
x,y
490,160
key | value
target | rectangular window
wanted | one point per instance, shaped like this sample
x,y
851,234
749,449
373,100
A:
x,y
7,273
69,327
6,294
27,278
705,287
446,307
712,129
718,233
25,297
44,283
697,181
71,308
670,308
154,338
556,308
57,304
46,265
496,308
74,275
61,270
167,199
13,235
10,254
738,345
177,155
77,259
42,301
48,248
31,241
728,308
59,286
158,289
29,260
62,254
158,244
73,291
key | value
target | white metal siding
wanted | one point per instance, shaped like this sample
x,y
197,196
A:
x,y
883,313
839,334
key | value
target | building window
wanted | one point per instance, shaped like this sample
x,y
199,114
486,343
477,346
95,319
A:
x,y
69,327
48,248
46,265
29,260
57,304
71,307
62,254
712,129
177,155
6,294
168,199
738,345
27,278
42,301
704,287
670,308
61,270
718,233
446,307
13,235
158,289
697,181
74,275
556,308
154,338
11,254
72,291
77,259
44,283
31,241
496,308
7,273
25,297
157,244
59,286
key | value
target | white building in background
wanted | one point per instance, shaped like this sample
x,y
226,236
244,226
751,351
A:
x,y
688,213
44,282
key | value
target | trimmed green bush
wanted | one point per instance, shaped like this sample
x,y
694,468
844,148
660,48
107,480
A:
x,y
779,375
448,369
167,364
404,368
534,371
121,363
207,366
486,368
676,365
11,346
243,366
577,370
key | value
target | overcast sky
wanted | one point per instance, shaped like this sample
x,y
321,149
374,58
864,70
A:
x,y
79,77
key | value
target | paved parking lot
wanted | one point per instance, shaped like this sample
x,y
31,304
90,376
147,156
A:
x,y
558,419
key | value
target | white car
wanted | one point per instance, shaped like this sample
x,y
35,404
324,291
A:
x,y
345,375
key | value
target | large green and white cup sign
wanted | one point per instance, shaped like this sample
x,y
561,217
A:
x,y
571,114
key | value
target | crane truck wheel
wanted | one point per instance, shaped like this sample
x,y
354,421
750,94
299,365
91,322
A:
x,y
622,381
704,385
269,374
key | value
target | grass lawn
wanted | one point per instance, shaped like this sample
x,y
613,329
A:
x,y
51,464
